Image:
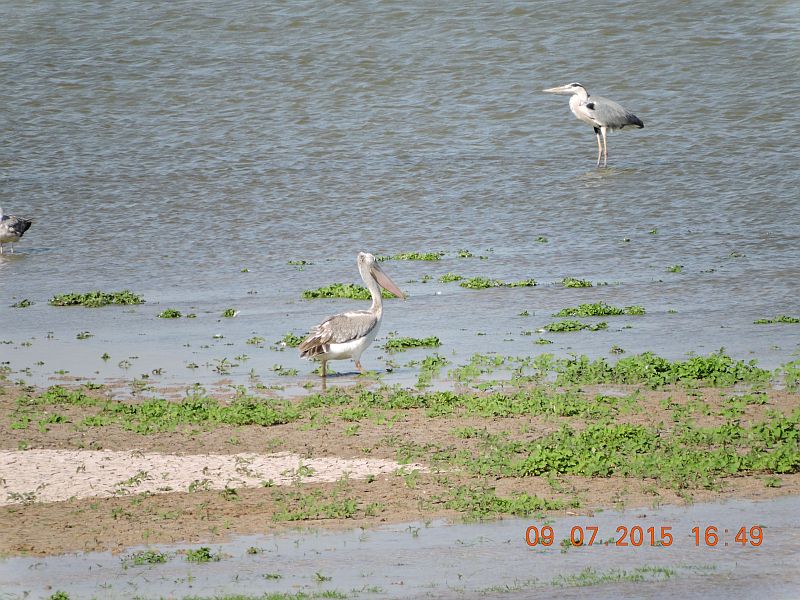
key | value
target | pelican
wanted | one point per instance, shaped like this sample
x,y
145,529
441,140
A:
x,y
11,229
348,334
601,113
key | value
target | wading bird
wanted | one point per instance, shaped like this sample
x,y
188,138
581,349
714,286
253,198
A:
x,y
11,229
601,113
348,334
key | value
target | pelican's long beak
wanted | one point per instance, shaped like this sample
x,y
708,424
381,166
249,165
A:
x,y
386,282
561,89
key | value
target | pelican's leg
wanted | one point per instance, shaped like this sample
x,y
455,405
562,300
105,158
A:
x,y
605,147
322,368
599,146
359,367
1,248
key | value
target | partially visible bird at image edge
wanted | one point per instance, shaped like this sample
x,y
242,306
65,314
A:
x,y
348,334
12,229
601,113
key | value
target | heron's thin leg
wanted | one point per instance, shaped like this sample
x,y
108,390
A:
x,y
605,146
599,147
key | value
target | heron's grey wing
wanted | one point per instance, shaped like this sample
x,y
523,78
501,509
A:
x,y
608,113
338,329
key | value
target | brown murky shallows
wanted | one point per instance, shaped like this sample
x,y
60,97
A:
x,y
131,518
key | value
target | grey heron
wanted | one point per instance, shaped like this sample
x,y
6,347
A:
x,y
601,113
348,334
11,229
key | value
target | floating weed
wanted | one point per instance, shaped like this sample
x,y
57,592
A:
x,y
299,263
675,269
290,339
202,554
571,282
779,319
571,325
413,256
479,283
24,303
255,340
398,344
84,335
343,290
465,254
541,239
146,557
229,313
600,309
542,341
169,313
96,299
449,277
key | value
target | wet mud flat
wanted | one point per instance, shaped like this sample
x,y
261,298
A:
x,y
108,494
441,560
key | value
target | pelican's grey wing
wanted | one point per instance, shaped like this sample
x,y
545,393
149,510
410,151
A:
x,y
607,113
337,329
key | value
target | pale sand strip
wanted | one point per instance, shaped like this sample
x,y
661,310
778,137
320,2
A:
x,y
57,475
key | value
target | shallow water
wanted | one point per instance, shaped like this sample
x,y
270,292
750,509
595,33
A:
x,y
463,561
166,148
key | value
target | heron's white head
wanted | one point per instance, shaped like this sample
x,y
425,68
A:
x,y
368,264
568,90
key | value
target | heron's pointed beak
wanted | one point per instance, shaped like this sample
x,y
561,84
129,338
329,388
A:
x,y
561,89
386,282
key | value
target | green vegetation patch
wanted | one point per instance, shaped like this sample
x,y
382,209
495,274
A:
x,y
96,299
480,502
24,303
343,290
448,277
572,282
398,344
590,576
480,283
599,309
169,313
716,369
413,256
571,325
289,339
780,319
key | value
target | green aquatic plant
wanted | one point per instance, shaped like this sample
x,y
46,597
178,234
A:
x,y
448,277
96,299
571,325
24,303
479,283
599,309
779,319
675,269
290,339
343,290
397,344
412,256
299,263
229,313
572,282
465,254
169,313
202,555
